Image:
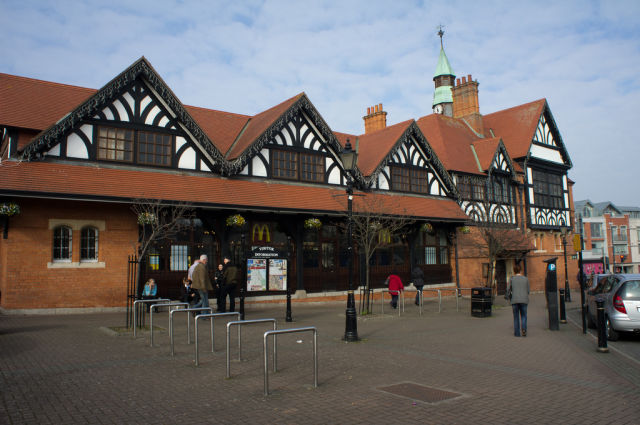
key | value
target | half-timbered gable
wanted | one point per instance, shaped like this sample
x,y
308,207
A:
x,y
134,119
411,166
533,140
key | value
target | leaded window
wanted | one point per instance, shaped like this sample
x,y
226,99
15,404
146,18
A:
x,y
406,179
297,166
547,189
62,244
115,144
89,244
154,148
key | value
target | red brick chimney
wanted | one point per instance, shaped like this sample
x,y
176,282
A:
x,y
376,119
465,103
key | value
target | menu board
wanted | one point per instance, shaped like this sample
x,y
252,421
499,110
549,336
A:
x,y
277,274
256,274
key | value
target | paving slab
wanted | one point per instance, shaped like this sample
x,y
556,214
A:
x,y
69,370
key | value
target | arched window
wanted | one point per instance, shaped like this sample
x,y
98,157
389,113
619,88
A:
x,y
62,243
89,244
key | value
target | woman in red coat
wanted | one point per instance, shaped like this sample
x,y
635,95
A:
x,y
395,287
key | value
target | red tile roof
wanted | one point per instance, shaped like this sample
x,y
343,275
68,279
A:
x,y
258,125
515,126
37,104
486,151
450,138
375,146
97,182
221,127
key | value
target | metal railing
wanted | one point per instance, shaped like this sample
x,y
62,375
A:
x,y
136,306
265,351
186,310
153,307
239,324
212,316
455,293
400,300
437,291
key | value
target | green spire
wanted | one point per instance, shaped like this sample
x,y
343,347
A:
x,y
444,67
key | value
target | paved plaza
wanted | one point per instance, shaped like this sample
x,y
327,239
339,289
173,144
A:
x,y
438,368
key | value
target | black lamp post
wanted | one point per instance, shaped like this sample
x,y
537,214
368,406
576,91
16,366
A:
x,y
349,158
567,291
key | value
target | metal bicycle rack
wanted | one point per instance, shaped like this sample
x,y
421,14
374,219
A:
x,y
136,304
154,306
212,316
239,324
265,351
209,309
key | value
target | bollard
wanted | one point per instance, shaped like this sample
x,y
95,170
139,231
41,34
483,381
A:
x,y
602,326
563,312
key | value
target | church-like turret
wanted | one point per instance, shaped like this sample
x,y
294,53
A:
x,y
443,80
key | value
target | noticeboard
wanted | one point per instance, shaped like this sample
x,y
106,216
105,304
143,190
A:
x,y
266,270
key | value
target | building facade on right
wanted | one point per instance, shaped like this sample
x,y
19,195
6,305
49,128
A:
x,y
610,235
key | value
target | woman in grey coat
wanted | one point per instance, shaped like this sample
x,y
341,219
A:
x,y
519,290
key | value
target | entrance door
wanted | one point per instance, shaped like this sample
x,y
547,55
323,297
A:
x,y
501,277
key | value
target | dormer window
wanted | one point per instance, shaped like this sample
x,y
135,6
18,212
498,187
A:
x,y
407,179
119,144
302,166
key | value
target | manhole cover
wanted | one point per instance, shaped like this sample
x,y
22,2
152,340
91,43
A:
x,y
419,392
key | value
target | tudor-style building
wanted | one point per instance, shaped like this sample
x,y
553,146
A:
x,y
76,159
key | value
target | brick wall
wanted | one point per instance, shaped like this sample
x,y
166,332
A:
x,y
30,279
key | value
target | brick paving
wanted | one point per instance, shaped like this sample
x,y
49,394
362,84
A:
x,y
69,370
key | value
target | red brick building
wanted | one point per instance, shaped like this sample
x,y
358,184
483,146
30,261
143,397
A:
x,y
75,160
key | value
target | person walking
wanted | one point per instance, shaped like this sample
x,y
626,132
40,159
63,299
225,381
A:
x,y
518,289
417,276
200,281
230,279
395,288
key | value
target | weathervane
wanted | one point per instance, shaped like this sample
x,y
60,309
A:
x,y
440,33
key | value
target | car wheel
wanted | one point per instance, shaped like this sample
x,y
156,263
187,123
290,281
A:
x,y
612,335
590,323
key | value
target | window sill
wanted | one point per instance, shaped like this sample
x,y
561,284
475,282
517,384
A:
x,y
76,265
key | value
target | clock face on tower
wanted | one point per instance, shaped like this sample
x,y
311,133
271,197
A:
x,y
438,109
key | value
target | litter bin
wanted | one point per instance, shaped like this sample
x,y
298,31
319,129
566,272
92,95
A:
x,y
481,301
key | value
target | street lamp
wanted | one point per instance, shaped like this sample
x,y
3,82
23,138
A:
x,y
349,158
567,291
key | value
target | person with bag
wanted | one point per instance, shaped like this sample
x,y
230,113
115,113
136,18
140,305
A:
x,y
518,294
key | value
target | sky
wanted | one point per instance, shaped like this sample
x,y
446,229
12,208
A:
x,y
247,56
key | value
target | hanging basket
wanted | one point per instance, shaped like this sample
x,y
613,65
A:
x,y
465,230
312,223
146,218
427,227
236,220
9,208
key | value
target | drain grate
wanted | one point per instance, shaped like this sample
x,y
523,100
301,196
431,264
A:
x,y
419,392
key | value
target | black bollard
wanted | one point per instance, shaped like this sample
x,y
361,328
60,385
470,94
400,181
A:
x,y
242,303
602,327
289,318
551,292
563,313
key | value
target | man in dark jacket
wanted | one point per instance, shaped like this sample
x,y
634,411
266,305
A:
x,y
230,283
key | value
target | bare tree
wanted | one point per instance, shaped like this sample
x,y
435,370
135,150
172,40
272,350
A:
x,y
158,221
375,220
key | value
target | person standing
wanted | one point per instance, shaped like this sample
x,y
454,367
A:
x,y
417,275
200,281
218,283
230,279
519,290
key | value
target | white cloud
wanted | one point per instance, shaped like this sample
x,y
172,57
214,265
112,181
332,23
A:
x,y
247,56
